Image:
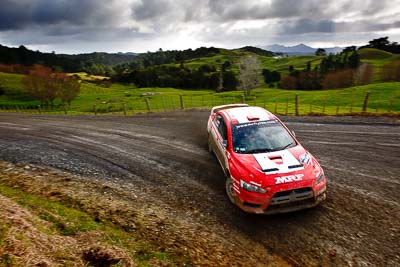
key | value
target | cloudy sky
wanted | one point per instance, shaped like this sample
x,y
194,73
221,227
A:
x,y
76,26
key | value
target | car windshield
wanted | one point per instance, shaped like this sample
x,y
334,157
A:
x,y
260,137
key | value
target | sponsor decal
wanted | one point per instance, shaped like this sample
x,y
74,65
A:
x,y
289,178
259,123
289,162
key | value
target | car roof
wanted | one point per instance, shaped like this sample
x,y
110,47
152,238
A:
x,y
247,114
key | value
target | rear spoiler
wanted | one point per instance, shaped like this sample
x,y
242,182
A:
x,y
218,108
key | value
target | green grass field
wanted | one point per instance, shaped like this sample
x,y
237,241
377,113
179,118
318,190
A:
x,y
384,98
377,59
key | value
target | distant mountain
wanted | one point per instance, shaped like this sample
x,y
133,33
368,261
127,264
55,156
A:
x,y
300,49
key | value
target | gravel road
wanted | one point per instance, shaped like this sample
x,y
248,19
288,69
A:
x,y
165,157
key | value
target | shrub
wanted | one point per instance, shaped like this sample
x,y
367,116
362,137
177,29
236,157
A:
x,y
391,71
338,79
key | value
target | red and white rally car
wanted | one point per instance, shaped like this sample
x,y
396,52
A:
x,y
267,169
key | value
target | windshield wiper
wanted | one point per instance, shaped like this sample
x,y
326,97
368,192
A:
x,y
283,147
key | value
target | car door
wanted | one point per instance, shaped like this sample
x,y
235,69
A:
x,y
221,141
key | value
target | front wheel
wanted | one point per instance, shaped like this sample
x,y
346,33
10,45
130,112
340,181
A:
x,y
229,189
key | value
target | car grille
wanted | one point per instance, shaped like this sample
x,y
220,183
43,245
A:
x,y
293,195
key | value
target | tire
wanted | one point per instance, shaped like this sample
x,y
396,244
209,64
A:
x,y
229,189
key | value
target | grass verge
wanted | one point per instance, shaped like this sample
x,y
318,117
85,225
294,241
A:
x,y
54,233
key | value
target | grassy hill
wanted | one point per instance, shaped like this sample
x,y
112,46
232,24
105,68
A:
x,y
278,63
377,58
383,96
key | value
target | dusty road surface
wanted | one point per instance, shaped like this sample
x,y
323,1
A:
x,y
163,159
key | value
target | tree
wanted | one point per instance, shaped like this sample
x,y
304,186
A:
x,y
45,85
349,49
288,82
379,43
391,71
230,81
68,88
39,85
271,76
320,52
338,79
249,74
363,75
354,60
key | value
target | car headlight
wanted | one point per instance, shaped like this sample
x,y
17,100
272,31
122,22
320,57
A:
x,y
320,178
251,187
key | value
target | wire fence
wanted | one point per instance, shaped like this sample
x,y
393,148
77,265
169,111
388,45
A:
x,y
289,104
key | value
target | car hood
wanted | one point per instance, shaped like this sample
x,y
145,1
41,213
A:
x,y
289,165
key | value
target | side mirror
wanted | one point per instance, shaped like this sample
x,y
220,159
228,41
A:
x,y
294,134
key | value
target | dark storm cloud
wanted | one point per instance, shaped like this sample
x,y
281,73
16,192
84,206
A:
x,y
326,26
307,25
24,13
14,15
237,9
150,9
208,22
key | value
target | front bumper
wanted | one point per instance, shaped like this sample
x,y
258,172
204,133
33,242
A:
x,y
282,202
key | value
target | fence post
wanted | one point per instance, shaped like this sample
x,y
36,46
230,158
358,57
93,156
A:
x,y
191,101
265,102
202,102
351,102
148,105
287,106
324,105
379,100
124,108
173,103
296,102
255,101
276,106
391,103
40,109
365,105
182,103
94,109
311,104
65,110
243,99
163,103
337,106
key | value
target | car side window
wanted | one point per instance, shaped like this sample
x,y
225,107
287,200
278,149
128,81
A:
x,y
221,126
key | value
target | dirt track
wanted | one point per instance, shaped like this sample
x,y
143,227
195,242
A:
x,y
165,158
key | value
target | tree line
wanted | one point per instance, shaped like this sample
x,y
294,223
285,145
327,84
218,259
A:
x,y
335,71
93,63
206,76
168,69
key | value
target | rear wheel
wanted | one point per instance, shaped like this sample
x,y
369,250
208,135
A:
x,y
229,189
